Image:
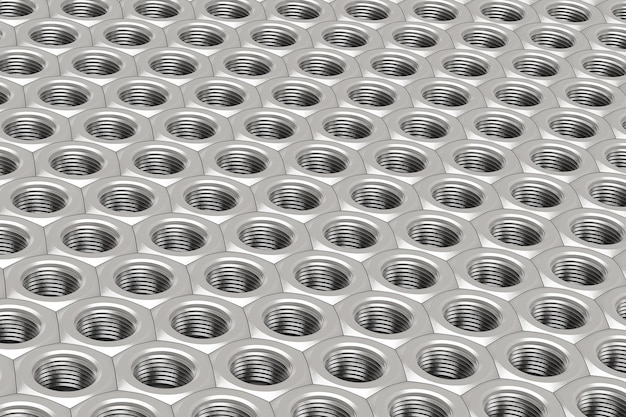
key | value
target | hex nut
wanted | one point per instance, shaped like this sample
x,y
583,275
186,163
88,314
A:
x,y
252,65
109,325
602,351
233,12
384,317
591,394
557,39
146,96
43,372
562,313
401,67
163,370
87,14
601,190
607,66
19,403
437,13
373,13
298,197
512,16
225,96
449,95
503,273
610,10
327,66
301,96
32,129
523,232
574,126
361,366
175,65
439,233
128,36
474,315
12,94
616,120
509,128
28,11
376,95
51,281
285,368
583,270
297,320
604,36
203,36
541,359
302,13
326,276
24,326
608,155
536,65
275,128
354,128
319,397
350,38
472,67
489,38
89,237
278,37
418,37
467,363
223,400
54,35
613,304
238,278
407,396
122,402
161,13
523,96
20,240
110,128
66,96
595,96
572,13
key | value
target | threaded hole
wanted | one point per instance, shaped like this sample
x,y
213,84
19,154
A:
x,y
16,8
266,235
322,406
617,157
271,127
75,162
85,9
590,95
323,276
97,64
424,126
355,365
517,231
605,66
248,65
515,404
611,193
274,36
619,12
297,95
613,355
8,163
446,95
351,234
601,403
479,160
202,36
127,198
457,195
294,320
538,360
472,315
160,162
348,127
54,35
403,161
224,408
395,66
597,231
579,270
65,373
157,9
111,128
322,65
485,38
378,196
164,371
556,159
200,322
535,66
418,405
228,9
519,95
128,35
559,314
436,233
234,277
51,280
20,63
221,95
144,279
323,161
179,237
18,327
295,197
503,12
260,368
174,65
29,128
436,11
144,96
40,199
383,317
117,409
191,128
615,38
64,95
346,37
447,362
495,272
299,10
410,274
106,325
91,238
242,162
568,13
499,126
367,11
537,194
12,240
466,66
416,38
212,197
553,39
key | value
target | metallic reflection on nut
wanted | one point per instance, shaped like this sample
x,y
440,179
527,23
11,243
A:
x,y
607,66
32,129
449,95
506,127
406,397
111,128
301,96
203,36
128,36
523,96
54,35
233,12
146,96
24,326
601,190
561,40
222,95
613,305
319,398
252,65
378,96
278,37
19,239
430,128
401,67
603,352
438,13
196,129
594,96
536,65
217,400
355,128
350,38
302,13
472,67
175,65
327,66
373,13
510,15
276,128
164,14
417,37
489,38
592,394
20,403
85,13
98,65
122,402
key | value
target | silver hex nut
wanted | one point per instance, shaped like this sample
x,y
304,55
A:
x,y
20,239
19,403
613,304
315,398
194,128
408,396
32,129
110,128
66,96
54,35
591,394
25,326
223,400
603,351
128,36
122,402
